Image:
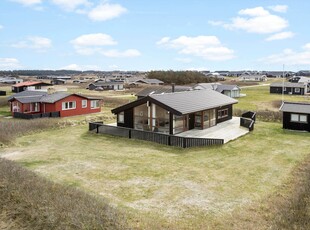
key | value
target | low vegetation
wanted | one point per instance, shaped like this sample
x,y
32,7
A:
x,y
195,188
180,77
10,129
28,201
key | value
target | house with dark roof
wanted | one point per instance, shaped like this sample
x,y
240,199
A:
x,y
102,85
148,81
162,90
288,88
36,102
33,85
177,112
296,116
253,77
229,90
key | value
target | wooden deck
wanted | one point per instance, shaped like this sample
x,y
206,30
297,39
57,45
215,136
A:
x,y
228,130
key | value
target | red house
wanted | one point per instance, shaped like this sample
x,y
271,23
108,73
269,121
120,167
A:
x,y
33,104
23,86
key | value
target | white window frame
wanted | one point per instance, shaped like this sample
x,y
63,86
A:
x,y
94,104
121,117
68,105
84,103
299,118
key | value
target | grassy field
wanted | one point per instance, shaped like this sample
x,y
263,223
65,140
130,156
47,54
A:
x,y
233,186
259,98
192,188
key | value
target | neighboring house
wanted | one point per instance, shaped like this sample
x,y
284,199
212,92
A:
x,y
161,90
294,79
36,102
100,85
148,82
296,116
229,90
246,77
17,88
200,86
174,113
288,88
10,80
58,81
305,80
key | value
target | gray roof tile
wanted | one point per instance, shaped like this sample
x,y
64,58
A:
x,y
295,107
193,101
287,84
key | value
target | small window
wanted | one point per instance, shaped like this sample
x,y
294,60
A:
x,y
121,117
303,118
222,113
284,89
94,104
84,103
297,90
299,118
68,105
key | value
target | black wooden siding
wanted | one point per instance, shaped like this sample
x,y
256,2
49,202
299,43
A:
x,y
128,119
287,124
289,90
219,120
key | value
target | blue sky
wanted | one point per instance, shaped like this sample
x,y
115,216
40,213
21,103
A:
x,y
154,35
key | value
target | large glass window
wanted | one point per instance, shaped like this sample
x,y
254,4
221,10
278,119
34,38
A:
x,y
178,124
160,120
198,120
141,117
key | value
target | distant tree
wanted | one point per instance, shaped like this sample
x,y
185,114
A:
x,y
180,77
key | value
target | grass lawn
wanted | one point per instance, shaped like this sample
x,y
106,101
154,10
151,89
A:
x,y
160,186
259,98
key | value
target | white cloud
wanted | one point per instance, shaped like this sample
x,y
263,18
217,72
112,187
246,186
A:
x,y
28,2
207,47
34,42
307,46
280,36
80,67
90,44
290,57
279,8
98,39
117,54
71,5
106,11
255,20
9,64
1,27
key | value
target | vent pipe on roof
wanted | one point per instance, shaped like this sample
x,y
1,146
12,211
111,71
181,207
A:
x,y
172,87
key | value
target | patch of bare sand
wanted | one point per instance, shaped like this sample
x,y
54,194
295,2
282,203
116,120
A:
x,y
15,155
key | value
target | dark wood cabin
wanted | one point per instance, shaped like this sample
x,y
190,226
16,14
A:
x,y
296,116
